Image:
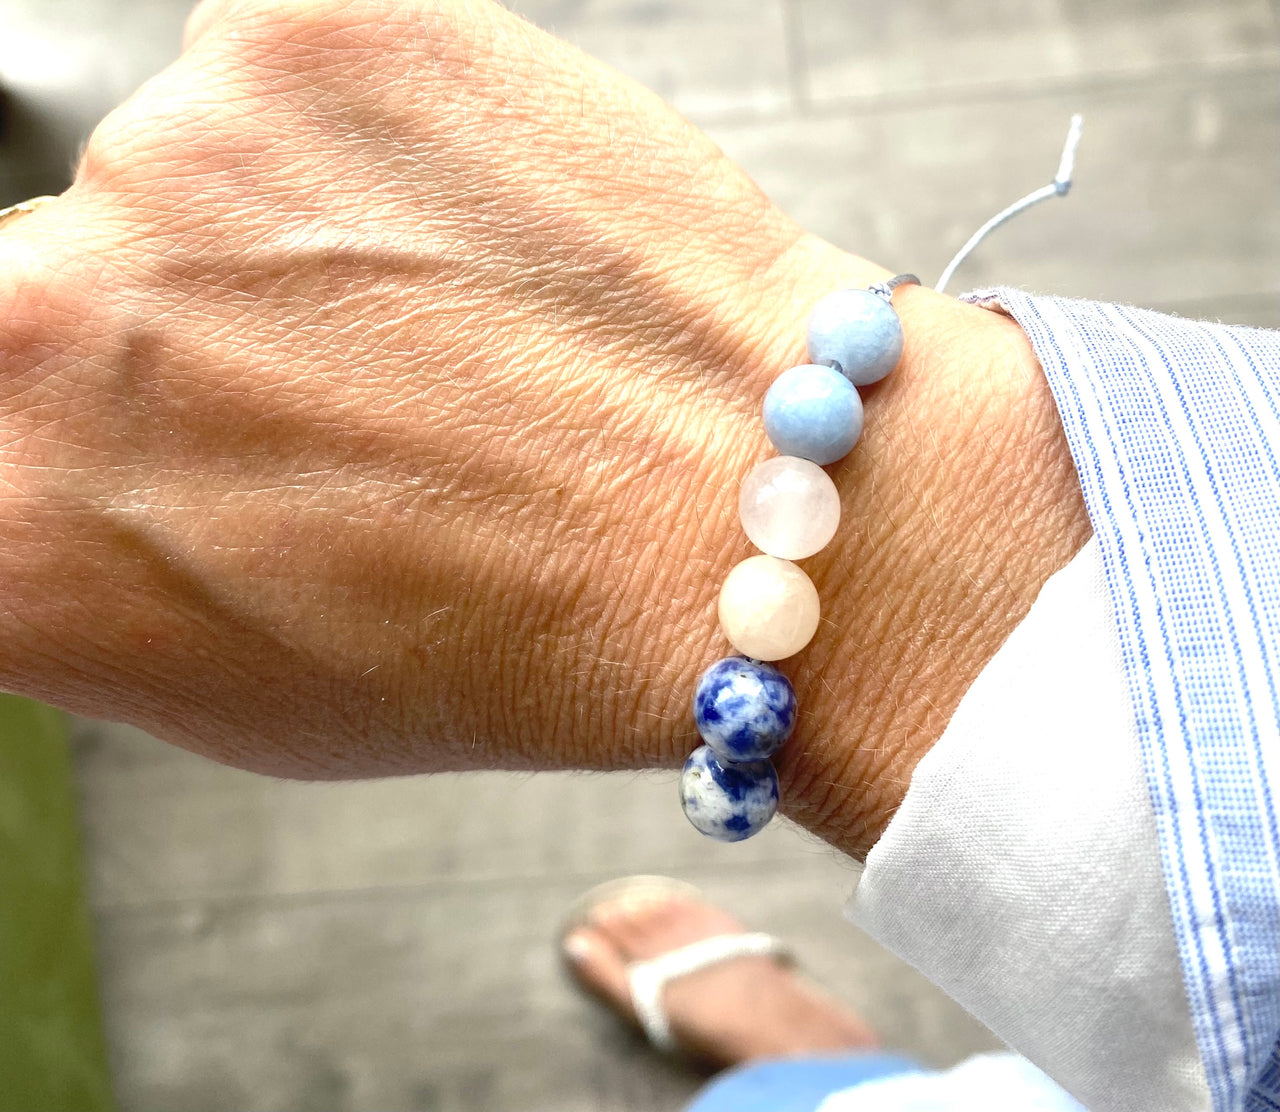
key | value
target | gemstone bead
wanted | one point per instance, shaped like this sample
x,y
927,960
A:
x,y
728,802
813,412
744,709
768,608
858,333
789,507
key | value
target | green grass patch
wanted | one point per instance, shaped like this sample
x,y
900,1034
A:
x,y
52,1054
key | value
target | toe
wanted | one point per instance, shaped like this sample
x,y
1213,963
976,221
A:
x,y
647,929
598,966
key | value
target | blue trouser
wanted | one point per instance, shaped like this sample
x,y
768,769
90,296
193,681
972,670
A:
x,y
794,1084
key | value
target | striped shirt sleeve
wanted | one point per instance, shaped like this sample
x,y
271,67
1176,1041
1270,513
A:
x,y
1175,431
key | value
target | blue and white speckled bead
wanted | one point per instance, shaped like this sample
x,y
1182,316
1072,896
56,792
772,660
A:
x,y
744,709
858,333
813,412
768,607
728,802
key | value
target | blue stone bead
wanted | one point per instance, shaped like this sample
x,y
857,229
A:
x,y
813,412
858,333
728,802
745,709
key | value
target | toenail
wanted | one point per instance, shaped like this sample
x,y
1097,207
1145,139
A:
x,y
578,946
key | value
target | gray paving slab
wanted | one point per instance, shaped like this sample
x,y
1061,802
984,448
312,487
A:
x,y
709,58
211,832
1261,310
438,995
1175,198
868,49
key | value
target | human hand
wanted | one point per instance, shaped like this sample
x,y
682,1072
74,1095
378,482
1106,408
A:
x,y
375,401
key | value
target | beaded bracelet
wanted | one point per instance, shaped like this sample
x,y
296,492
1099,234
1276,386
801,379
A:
x,y
744,707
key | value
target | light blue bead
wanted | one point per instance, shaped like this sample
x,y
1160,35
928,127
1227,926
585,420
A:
x,y
813,412
745,709
728,802
858,333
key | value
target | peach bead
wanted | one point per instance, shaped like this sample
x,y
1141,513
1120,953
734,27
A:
x,y
768,608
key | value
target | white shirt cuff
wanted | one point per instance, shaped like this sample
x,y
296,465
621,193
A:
x,y
1022,872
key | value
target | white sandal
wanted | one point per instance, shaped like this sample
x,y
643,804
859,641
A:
x,y
648,979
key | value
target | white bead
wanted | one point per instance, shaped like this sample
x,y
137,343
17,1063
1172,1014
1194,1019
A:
x,y
789,507
768,608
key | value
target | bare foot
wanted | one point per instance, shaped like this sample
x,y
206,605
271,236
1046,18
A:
x,y
741,1009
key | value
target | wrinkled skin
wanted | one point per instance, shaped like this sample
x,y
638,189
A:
x,y
376,399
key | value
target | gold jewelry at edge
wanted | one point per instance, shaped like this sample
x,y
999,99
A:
x,y
21,208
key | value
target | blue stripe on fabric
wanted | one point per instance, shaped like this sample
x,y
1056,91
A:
x,y
1274,402
1097,490
1252,926
1164,790
1173,427
1224,926
1265,815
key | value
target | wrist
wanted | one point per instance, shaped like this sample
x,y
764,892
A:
x,y
958,503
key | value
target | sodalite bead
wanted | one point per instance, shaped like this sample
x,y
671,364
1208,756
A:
x,y
813,412
744,709
728,802
858,333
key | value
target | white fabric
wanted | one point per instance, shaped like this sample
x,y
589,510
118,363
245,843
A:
x,y
1022,874
989,1082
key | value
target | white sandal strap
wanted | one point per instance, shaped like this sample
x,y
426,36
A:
x,y
649,978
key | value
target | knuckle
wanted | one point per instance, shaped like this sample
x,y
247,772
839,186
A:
x,y
144,131
111,147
